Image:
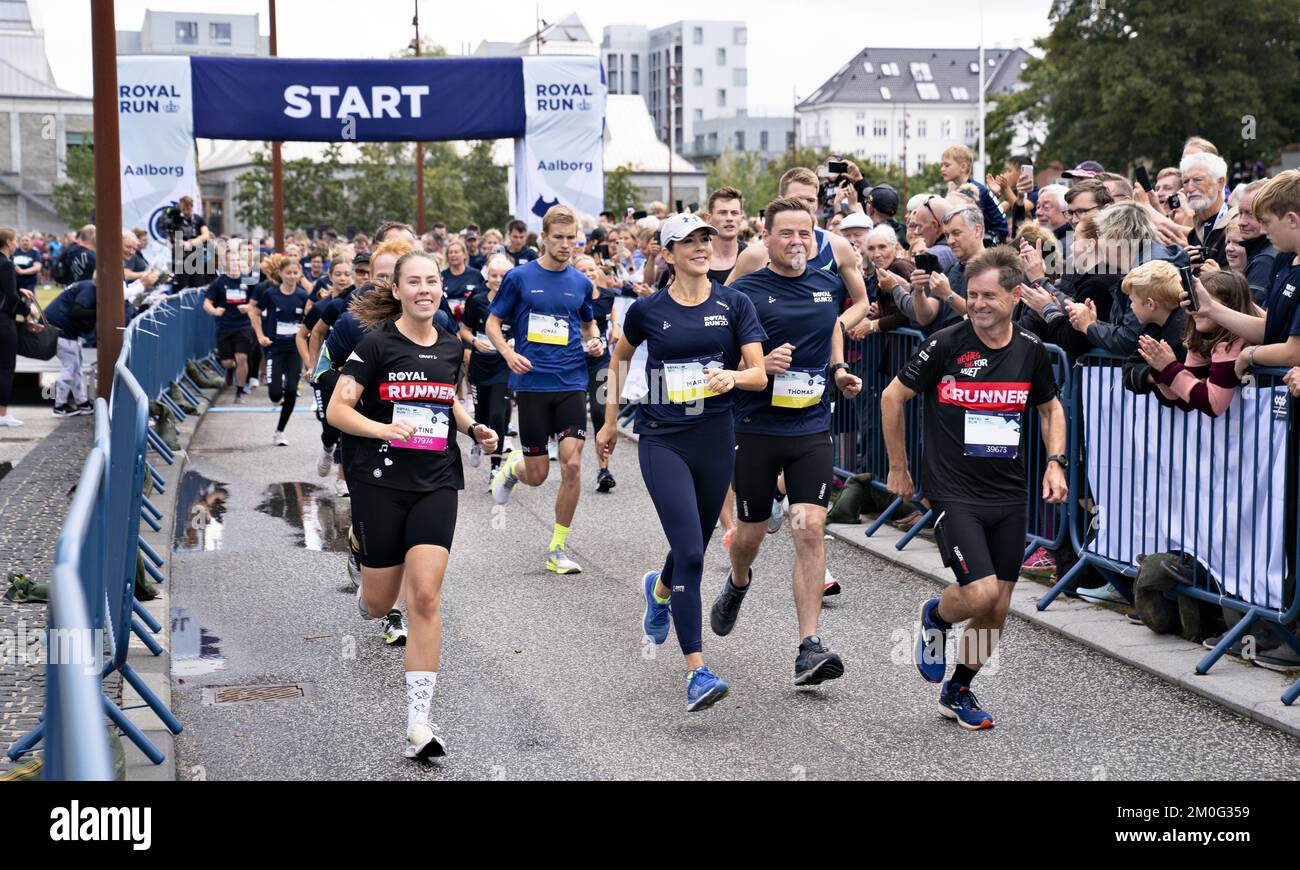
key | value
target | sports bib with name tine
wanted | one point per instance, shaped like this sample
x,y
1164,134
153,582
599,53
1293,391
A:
x,y
992,434
686,380
431,422
547,328
236,296
798,388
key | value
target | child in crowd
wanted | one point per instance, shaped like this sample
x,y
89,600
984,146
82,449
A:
x,y
1155,293
1205,381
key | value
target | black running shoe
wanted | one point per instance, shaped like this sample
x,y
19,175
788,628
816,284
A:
x,y
604,480
815,663
722,618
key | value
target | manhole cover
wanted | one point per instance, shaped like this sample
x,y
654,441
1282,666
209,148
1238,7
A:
x,y
241,694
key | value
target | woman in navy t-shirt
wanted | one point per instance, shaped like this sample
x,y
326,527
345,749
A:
x,y
703,340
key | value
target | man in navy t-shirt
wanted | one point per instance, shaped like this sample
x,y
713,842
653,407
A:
x,y
548,306
516,244
786,426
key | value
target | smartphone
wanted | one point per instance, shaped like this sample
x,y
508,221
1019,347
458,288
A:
x,y
1185,275
679,206
927,262
1027,172
835,167
1143,178
1174,202
637,215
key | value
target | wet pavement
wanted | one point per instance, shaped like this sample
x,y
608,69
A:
x,y
548,677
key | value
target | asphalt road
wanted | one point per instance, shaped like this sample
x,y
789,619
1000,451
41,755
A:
x,y
547,677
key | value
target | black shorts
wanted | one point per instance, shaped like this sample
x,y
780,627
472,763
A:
x,y
980,540
806,460
231,343
542,415
388,522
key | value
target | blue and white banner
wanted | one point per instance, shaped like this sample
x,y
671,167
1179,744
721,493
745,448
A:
x,y
412,100
156,120
560,157
554,106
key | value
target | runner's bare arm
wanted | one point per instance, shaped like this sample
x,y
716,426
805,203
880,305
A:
x,y
1051,417
850,269
896,395
750,261
343,415
317,338
753,372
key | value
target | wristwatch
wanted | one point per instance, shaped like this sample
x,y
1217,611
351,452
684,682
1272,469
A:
x,y
835,367
1059,459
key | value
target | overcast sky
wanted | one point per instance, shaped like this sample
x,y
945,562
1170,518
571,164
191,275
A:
x,y
827,33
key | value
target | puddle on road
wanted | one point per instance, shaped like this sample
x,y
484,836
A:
x,y
200,513
195,650
320,520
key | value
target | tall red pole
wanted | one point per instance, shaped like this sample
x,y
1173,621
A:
x,y
419,146
277,167
108,192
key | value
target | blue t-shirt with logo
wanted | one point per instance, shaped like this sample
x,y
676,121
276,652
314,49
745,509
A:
x,y
546,311
229,293
281,316
801,311
1282,305
25,260
681,341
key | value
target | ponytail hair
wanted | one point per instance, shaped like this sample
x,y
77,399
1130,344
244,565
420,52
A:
x,y
380,303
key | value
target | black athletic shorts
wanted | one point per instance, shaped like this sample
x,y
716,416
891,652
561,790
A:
x,y
980,540
231,343
806,460
388,522
542,415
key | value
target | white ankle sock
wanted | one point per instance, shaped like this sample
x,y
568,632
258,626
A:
x,y
419,695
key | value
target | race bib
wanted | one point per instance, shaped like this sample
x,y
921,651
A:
x,y
798,388
483,338
283,329
431,423
993,434
686,380
236,296
548,329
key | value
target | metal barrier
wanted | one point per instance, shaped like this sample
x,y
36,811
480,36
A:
x,y
1156,479
100,545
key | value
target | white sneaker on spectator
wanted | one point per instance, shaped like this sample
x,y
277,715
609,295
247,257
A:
x,y
1107,593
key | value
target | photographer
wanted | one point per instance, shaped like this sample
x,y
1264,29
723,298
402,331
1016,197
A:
x,y
186,231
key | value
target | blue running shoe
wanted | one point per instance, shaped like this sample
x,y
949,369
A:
x,y
703,689
657,616
958,702
931,645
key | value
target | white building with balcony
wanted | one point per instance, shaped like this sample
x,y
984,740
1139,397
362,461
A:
x,y
904,106
190,33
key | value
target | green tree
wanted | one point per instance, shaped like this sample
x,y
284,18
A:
x,y
1121,80
620,193
485,186
74,199
743,170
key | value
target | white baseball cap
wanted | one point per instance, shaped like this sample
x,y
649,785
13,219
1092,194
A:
x,y
856,220
679,226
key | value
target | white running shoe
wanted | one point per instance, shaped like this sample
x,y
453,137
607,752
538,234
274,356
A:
x,y
10,420
830,586
424,740
778,515
503,482
253,383
324,464
279,440
340,487
475,455
558,561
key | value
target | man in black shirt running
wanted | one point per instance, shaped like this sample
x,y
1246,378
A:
x,y
978,377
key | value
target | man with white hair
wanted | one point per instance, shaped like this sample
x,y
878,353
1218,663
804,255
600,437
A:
x,y
1051,214
1204,178
939,300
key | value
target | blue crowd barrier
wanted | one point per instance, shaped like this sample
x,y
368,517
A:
x,y
1217,492
96,560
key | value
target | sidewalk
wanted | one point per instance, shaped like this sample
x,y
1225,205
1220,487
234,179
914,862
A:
x,y
1251,691
47,454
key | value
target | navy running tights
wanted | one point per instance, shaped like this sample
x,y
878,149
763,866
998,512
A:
x,y
687,474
